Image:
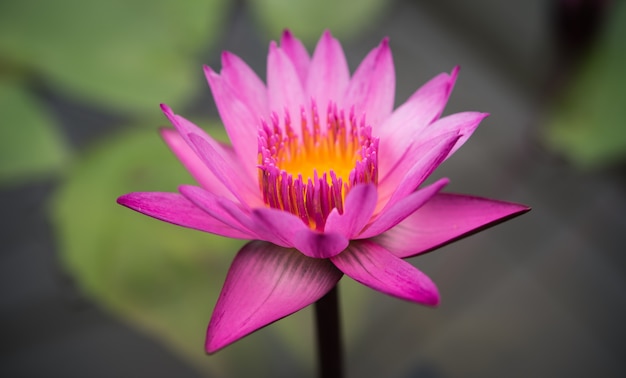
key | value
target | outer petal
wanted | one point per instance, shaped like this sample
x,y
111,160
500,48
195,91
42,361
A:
x,y
245,83
400,210
374,266
218,159
420,110
214,206
444,219
329,75
176,209
297,53
417,164
372,88
358,209
225,171
266,283
285,89
241,115
288,230
194,164
463,123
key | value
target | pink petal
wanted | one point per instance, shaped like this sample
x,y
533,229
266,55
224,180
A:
x,y
213,205
266,283
245,83
176,209
444,219
357,211
286,229
372,88
226,171
218,160
320,245
413,117
415,166
286,94
463,123
374,266
329,74
194,164
241,116
297,53
395,214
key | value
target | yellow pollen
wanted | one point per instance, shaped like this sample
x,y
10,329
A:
x,y
322,156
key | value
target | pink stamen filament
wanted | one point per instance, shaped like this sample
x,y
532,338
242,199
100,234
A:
x,y
310,175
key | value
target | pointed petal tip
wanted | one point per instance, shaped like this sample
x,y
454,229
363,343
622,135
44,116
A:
x,y
211,346
455,71
123,199
166,109
209,71
287,34
266,283
383,47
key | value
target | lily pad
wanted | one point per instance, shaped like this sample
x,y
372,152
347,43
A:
x,y
124,54
589,126
30,145
159,277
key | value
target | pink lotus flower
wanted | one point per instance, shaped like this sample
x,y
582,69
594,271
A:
x,y
324,177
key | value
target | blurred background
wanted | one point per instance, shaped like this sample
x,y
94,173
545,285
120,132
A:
x,y
91,289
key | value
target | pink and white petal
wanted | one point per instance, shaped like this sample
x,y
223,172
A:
x,y
178,210
226,171
200,172
395,214
463,123
297,53
329,74
373,266
357,211
410,119
372,87
213,205
245,83
286,229
285,90
266,283
414,167
240,120
446,218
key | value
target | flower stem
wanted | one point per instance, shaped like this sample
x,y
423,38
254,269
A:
x,y
329,336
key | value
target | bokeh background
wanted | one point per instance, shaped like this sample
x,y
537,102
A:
x,y
91,289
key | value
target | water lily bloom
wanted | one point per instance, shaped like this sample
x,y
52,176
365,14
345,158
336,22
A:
x,y
324,177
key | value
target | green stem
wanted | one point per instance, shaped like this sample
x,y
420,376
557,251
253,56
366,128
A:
x,y
329,336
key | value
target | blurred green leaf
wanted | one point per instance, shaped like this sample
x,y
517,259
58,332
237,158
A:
x,y
30,144
160,277
127,54
307,19
589,127
163,278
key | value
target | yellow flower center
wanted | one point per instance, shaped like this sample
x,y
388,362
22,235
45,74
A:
x,y
310,174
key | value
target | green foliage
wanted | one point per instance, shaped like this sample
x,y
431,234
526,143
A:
x,y
307,19
30,145
124,54
589,126
160,277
